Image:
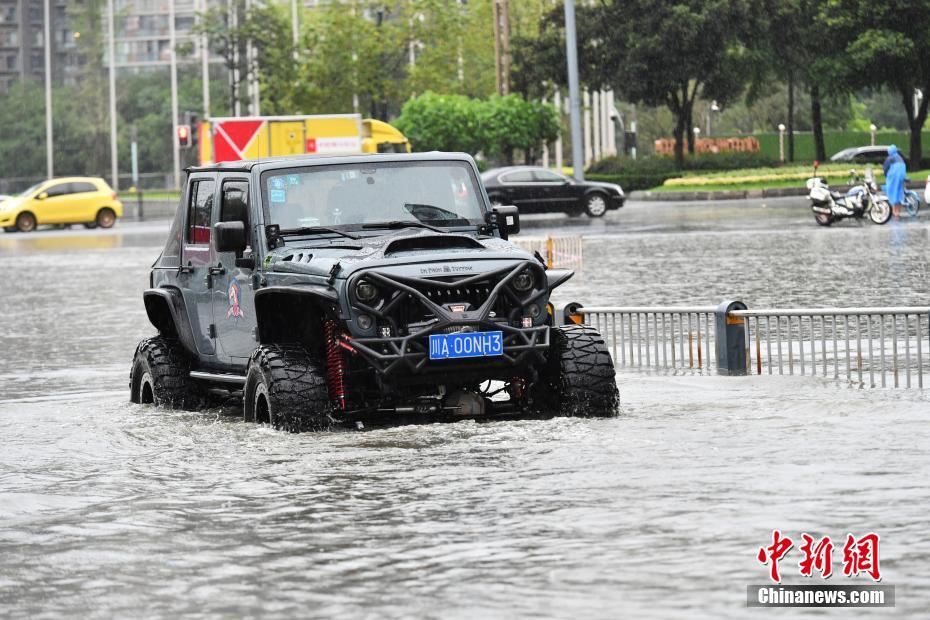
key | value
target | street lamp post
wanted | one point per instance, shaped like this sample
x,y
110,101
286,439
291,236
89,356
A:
x,y
173,69
111,31
205,63
872,129
710,115
697,134
781,142
49,159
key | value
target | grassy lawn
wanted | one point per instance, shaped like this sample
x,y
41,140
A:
x,y
155,194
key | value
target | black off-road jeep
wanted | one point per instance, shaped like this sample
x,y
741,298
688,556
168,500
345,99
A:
x,y
335,289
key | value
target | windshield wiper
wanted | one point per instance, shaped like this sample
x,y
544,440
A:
x,y
313,230
402,224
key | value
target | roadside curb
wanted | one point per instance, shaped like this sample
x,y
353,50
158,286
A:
x,y
740,194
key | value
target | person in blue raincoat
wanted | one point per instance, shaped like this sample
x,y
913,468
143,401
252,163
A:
x,y
895,171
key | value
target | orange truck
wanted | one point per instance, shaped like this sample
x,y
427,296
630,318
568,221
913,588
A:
x,y
254,137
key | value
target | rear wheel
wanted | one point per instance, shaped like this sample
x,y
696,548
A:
x,y
106,218
911,203
161,375
578,379
596,205
26,222
880,212
286,387
824,219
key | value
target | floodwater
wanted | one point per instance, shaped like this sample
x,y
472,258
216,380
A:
x,y
112,510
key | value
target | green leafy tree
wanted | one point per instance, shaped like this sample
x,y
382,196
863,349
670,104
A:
x,y
442,123
511,123
887,44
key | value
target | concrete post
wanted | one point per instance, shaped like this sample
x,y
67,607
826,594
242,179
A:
x,y
588,151
596,118
571,58
558,141
730,339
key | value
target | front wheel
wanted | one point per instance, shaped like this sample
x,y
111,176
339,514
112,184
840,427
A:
x,y
286,388
596,205
880,212
578,378
26,222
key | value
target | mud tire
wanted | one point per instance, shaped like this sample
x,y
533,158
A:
x,y
161,375
578,378
286,387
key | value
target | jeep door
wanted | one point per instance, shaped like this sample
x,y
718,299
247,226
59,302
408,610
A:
x,y
233,290
195,260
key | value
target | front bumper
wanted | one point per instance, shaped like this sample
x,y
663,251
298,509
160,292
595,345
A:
x,y
409,355
397,352
616,202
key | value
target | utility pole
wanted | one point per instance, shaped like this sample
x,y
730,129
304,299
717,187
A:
x,y
205,62
295,26
49,151
111,28
571,54
175,150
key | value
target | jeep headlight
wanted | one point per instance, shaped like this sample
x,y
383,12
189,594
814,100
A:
x,y
366,291
524,281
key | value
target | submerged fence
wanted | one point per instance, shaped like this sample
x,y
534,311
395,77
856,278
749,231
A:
x,y
871,347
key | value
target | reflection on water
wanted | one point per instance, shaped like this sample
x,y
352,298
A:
x,y
114,510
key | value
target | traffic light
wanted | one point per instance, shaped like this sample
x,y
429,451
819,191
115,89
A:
x,y
184,136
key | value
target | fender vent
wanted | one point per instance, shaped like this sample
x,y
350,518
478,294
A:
x,y
433,242
297,258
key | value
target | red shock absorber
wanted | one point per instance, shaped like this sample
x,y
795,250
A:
x,y
335,365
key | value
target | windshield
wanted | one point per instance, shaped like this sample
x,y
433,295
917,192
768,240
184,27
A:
x,y
440,193
29,191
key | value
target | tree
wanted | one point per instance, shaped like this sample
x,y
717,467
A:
x,y
886,44
677,51
667,53
497,127
442,123
511,123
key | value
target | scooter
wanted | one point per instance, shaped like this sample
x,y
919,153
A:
x,y
862,198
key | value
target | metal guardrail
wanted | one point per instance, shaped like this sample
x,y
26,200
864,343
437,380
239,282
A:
x,y
672,338
870,347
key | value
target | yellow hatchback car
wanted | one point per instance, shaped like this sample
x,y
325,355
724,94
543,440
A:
x,y
69,200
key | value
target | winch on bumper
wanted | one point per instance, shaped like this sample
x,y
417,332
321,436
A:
x,y
392,325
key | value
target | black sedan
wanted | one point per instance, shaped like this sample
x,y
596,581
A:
x,y
534,189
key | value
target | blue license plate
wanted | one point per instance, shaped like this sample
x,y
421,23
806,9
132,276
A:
x,y
466,344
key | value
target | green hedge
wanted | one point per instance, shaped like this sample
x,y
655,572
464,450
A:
x,y
834,142
649,172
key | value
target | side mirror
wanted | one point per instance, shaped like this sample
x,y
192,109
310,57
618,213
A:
x,y
230,237
42,196
506,220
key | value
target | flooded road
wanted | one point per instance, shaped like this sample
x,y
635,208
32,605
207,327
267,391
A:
x,y
112,510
